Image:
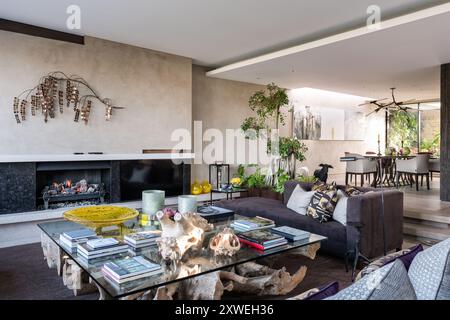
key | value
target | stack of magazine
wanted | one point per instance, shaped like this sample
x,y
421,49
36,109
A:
x,y
129,269
251,224
141,239
291,234
71,239
262,239
97,248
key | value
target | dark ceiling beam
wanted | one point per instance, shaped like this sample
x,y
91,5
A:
x,y
13,26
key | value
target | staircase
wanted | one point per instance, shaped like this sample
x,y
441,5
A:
x,y
426,218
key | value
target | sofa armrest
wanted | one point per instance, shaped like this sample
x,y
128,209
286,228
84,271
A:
x,y
364,222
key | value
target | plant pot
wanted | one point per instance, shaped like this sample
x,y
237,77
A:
x,y
254,192
270,194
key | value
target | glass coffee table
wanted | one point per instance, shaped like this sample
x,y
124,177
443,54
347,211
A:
x,y
198,263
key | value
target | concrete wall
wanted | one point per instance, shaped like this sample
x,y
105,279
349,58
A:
x,y
154,87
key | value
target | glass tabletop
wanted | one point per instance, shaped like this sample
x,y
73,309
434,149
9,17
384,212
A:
x,y
193,263
229,190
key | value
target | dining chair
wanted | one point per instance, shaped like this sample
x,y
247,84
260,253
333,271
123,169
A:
x,y
361,166
434,165
415,167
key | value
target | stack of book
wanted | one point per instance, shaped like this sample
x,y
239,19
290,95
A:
x,y
129,269
291,234
261,239
251,224
69,240
97,248
141,239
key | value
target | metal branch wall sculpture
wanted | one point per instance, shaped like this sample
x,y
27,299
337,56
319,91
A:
x,y
48,95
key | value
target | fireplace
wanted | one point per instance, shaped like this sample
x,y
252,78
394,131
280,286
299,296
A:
x,y
67,184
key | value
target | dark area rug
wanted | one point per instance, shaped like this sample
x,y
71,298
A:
x,y
24,274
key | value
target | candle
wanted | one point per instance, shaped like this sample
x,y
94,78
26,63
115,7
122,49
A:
x,y
379,138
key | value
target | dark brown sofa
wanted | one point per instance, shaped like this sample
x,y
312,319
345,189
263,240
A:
x,y
364,229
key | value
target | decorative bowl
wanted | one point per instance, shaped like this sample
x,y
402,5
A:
x,y
100,216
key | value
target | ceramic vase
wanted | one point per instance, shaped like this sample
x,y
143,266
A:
x,y
187,203
152,201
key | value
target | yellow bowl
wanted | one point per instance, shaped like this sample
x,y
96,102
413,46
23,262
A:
x,y
101,216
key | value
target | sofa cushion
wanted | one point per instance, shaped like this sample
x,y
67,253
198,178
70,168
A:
x,y
318,293
430,272
390,282
299,200
322,204
406,256
340,212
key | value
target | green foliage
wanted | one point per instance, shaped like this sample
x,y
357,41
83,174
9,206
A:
x,y
256,180
310,179
282,178
432,145
267,104
403,129
292,146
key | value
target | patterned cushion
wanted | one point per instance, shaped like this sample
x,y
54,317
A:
x,y
318,293
430,272
390,282
322,204
352,191
406,256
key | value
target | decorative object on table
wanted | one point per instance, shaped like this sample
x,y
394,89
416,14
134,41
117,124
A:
x,y
180,233
101,216
152,201
219,173
196,188
236,182
187,203
206,187
291,150
48,94
225,243
322,174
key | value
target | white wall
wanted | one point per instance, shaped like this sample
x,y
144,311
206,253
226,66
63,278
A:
x,y
330,151
154,87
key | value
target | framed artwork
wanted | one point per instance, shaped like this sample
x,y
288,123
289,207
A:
x,y
318,123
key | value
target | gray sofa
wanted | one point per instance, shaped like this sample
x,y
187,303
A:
x,y
363,232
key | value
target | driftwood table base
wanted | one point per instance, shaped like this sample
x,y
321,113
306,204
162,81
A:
x,y
248,278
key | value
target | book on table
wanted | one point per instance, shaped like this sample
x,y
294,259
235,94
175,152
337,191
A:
x,y
262,239
71,245
290,233
129,269
70,239
87,252
254,223
142,239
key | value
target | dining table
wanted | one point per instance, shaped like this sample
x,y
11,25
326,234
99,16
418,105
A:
x,y
387,169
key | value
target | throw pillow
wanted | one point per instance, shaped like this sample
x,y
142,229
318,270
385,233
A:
x,y
322,205
406,256
318,293
300,200
430,272
390,282
352,191
340,212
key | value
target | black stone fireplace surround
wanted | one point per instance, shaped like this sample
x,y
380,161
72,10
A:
x,y
21,183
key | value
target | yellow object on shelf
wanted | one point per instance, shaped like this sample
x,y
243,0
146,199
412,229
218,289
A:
x,y
101,216
236,182
196,188
206,187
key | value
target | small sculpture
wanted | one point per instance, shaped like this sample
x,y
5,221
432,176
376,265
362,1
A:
x,y
183,232
225,243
